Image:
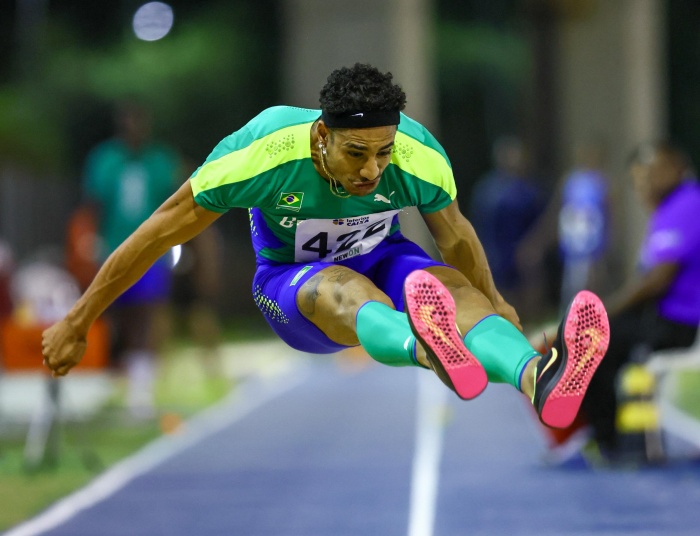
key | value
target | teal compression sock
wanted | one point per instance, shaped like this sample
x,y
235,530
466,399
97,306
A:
x,y
501,348
386,335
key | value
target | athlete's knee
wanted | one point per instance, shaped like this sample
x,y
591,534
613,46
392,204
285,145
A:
x,y
352,290
466,296
349,297
337,290
454,280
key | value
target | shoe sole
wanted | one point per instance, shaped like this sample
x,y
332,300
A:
x,y
586,335
431,313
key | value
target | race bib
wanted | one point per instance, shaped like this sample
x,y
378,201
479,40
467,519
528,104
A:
x,y
340,239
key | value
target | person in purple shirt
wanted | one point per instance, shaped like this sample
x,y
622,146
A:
x,y
659,307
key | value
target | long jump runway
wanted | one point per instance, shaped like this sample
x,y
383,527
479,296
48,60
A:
x,y
330,452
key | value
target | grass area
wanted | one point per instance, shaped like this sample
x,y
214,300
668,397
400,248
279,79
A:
x,y
689,393
84,450
187,382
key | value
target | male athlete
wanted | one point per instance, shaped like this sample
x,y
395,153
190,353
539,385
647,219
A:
x,y
323,189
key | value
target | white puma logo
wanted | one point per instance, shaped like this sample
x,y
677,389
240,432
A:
x,y
380,197
361,114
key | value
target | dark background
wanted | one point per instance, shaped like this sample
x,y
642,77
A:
x,y
62,63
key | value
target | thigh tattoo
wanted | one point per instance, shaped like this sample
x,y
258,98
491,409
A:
x,y
310,293
336,274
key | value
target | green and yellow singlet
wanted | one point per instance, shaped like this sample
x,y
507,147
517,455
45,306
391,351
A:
x,y
266,167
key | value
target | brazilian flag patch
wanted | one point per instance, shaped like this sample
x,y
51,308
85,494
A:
x,y
291,201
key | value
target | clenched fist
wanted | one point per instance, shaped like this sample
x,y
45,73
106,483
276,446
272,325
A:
x,y
63,347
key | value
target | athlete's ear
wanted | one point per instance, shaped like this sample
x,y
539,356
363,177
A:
x,y
323,132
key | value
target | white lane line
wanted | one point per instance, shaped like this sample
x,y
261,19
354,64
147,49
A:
x,y
430,427
240,403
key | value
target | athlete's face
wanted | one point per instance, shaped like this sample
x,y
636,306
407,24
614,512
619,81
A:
x,y
358,157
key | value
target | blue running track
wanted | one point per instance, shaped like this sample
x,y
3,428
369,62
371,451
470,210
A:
x,y
331,453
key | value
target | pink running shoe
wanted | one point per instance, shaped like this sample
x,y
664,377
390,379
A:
x,y
564,373
432,315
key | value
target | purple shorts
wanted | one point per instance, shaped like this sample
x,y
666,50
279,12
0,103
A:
x,y
275,288
153,287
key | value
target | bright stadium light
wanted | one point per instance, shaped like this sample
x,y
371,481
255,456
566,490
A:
x,y
153,21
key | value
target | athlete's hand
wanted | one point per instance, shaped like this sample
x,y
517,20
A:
x,y
63,347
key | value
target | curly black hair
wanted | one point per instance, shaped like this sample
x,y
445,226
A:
x,y
361,88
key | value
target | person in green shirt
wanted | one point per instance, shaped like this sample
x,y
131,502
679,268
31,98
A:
x,y
323,189
126,178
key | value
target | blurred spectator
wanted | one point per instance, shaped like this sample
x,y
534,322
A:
x,y
659,307
82,245
126,178
197,286
41,292
577,225
505,204
196,292
584,223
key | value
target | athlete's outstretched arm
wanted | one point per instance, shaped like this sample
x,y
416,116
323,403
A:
x,y
460,247
177,220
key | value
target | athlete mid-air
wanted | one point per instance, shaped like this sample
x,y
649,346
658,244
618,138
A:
x,y
324,189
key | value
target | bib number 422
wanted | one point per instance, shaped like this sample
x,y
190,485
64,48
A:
x,y
319,244
329,240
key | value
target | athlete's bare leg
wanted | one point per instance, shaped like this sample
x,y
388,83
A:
x,y
331,298
473,306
